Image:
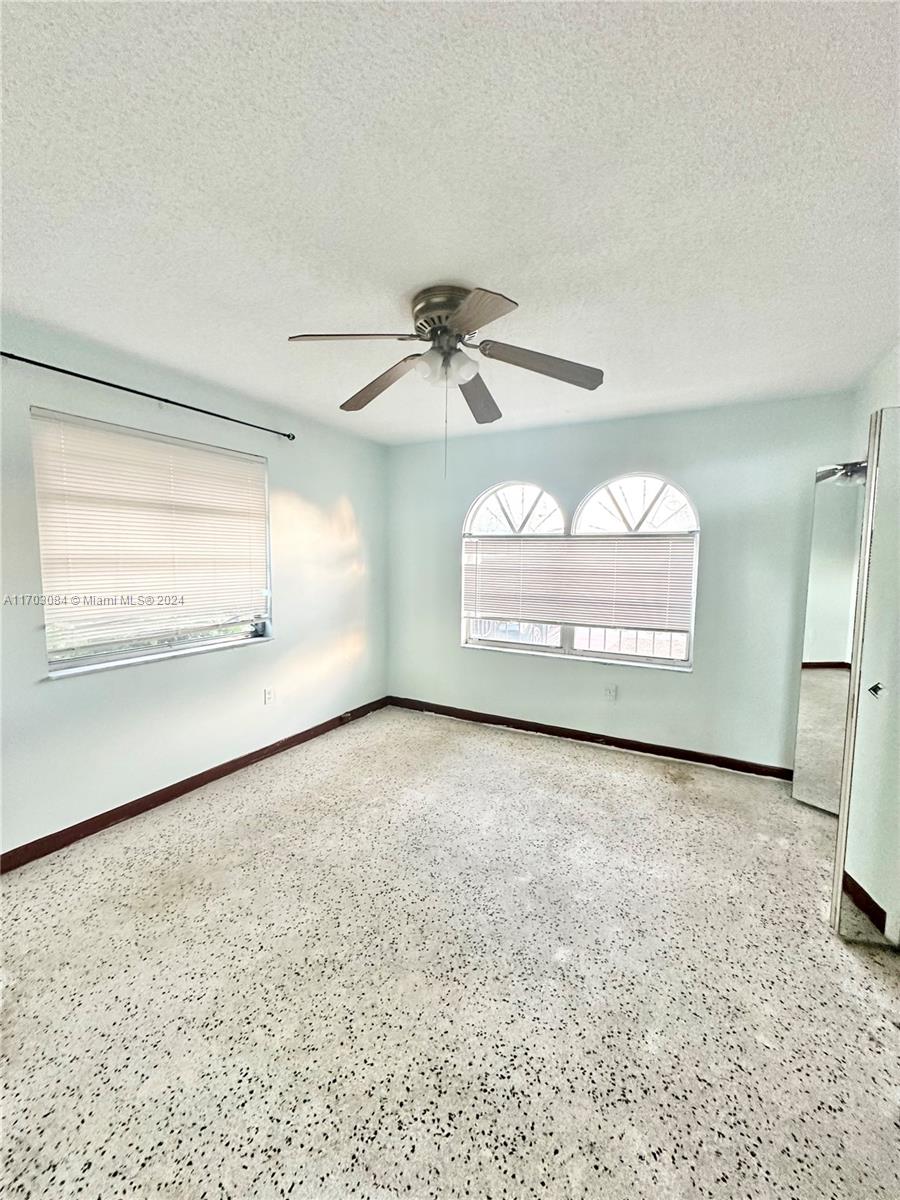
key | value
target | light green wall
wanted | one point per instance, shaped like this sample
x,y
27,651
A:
x,y
79,746
749,469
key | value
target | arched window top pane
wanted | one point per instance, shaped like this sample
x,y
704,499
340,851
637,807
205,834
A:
x,y
514,508
636,504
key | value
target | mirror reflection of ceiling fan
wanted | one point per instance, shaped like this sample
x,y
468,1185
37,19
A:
x,y
447,317
843,473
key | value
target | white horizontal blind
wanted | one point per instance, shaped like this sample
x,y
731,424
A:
x,y
146,542
635,581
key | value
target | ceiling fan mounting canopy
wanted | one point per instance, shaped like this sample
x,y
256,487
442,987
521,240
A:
x,y
446,315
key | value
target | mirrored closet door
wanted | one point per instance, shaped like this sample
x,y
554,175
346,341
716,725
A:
x,y
828,635
866,886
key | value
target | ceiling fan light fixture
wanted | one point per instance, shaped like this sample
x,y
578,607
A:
x,y
438,366
430,366
460,368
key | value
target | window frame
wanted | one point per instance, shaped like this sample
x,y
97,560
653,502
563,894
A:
x,y
118,656
567,649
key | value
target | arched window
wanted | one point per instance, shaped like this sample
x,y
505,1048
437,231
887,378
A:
x,y
506,512
635,504
621,587
514,508
650,533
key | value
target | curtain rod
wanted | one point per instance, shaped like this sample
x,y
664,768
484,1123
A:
x,y
120,387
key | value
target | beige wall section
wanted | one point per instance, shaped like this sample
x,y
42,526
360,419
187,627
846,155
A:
x,y
76,747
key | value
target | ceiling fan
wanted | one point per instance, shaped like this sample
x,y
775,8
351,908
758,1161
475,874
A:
x,y
447,317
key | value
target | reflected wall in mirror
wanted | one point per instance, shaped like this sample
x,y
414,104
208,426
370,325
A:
x,y
828,634
866,886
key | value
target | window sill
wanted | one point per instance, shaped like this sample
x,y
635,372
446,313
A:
x,y
681,668
154,656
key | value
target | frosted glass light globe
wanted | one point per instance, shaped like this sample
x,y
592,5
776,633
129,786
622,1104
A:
x,y
461,368
431,366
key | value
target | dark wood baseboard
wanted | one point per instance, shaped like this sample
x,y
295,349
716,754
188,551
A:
x,y
21,855
825,666
599,739
864,902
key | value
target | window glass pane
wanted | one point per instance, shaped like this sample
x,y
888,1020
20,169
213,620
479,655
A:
x,y
519,499
490,517
545,517
679,646
662,645
515,508
671,513
599,514
523,632
636,504
637,643
644,643
635,495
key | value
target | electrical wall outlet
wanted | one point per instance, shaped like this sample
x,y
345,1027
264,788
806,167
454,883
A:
x,y
611,692
268,695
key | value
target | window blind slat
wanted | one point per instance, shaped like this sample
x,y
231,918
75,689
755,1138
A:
x,y
631,581
122,513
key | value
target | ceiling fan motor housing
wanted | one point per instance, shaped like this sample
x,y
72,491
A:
x,y
433,306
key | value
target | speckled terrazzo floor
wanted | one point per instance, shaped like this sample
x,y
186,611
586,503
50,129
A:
x,y
422,958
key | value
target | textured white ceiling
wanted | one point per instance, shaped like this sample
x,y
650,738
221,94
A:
x,y
701,199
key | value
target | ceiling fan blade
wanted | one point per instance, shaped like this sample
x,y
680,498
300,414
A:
x,y
545,364
377,386
481,403
340,337
478,309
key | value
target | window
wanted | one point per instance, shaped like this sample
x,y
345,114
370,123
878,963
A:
x,y
149,545
649,531
511,510
620,587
